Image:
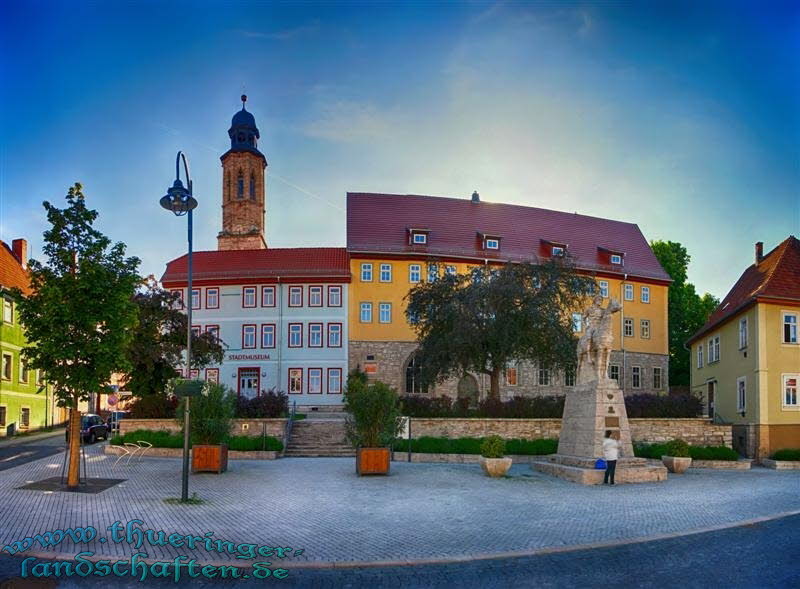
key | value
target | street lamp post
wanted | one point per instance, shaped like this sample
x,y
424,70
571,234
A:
x,y
180,201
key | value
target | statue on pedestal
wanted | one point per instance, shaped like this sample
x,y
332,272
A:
x,y
594,346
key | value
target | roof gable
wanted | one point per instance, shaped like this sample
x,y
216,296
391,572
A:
x,y
378,223
12,274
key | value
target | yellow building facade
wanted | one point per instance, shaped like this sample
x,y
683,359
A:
x,y
746,360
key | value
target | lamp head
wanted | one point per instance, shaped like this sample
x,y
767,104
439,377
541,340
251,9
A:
x,y
178,199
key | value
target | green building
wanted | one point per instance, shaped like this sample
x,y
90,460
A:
x,y
26,403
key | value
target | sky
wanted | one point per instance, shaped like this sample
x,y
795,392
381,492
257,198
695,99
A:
x,y
680,117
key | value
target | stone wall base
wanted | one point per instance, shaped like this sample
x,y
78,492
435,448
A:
x,y
178,453
579,470
274,427
781,464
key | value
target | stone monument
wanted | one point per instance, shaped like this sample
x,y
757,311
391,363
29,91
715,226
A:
x,y
594,405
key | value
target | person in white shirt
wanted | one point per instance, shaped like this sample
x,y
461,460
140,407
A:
x,y
611,448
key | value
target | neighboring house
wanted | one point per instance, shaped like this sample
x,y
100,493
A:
x,y
746,358
396,241
21,405
281,313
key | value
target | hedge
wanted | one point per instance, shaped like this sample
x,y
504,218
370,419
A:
x,y
167,439
656,451
790,454
430,445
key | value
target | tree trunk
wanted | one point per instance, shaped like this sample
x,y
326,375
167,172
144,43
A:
x,y
494,385
73,472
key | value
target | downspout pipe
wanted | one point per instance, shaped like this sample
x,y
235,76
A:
x,y
622,332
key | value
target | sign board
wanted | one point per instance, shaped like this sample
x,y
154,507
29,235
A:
x,y
189,388
405,430
112,400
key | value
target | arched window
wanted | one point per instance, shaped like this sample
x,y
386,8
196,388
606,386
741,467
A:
x,y
414,377
240,185
252,186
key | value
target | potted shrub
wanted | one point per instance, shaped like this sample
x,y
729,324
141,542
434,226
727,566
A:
x,y
493,460
372,424
210,417
677,458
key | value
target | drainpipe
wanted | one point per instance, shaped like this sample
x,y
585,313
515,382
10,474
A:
x,y
624,374
280,337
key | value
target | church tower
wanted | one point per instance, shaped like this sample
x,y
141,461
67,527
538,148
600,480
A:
x,y
243,187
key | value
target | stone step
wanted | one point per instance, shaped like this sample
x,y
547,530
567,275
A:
x,y
317,453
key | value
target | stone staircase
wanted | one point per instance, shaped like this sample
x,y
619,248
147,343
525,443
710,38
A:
x,y
321,436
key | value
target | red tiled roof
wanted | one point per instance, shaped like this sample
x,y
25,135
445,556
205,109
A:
x,y
311,263
776,276
12,274
379,223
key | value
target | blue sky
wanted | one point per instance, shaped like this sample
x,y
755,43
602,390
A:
x,y
681,117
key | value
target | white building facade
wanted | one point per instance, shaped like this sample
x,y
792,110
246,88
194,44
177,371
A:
x,y
281,315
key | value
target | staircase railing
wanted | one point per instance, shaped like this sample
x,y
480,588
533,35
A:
x,y
287,434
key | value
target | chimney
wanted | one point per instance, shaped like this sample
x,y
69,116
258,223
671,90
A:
x,y
759,251
20,249
476,197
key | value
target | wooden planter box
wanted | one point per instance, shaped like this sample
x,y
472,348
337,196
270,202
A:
x,y
372,461
209,458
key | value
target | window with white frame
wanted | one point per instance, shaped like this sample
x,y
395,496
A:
x,y
419,238
628,292
25,417
385,313
433,272
492,243
628,327
178,294
315,335
295,296
295,381
544,376
249,296
197,330
386,273
557,250
450,270
700,356
315,381
212,298
8,311
6,369
644,327
414,273
616,259
636,377
789,328
268,335
645,294
512,374
334,335
613,372
742,333
248,336
213,330
23,371
334,381
741,393
569,376
577,322
366,313
790,390
195,298
603,288
314,296
366,272
334,296
267,296
657,380
713,349
212,375
295,335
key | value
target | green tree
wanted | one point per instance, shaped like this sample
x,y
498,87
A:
x,y
482,320
688,311
80,314
159,341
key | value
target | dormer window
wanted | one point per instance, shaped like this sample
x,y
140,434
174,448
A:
x,y
492,243
610,257
418,236
616,259
557,250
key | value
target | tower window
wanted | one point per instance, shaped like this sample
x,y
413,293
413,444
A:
x,y
252,186
240,185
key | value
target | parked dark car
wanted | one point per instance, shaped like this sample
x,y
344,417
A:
x,y
114,418
92,428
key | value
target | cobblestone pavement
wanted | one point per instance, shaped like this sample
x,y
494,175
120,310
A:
x,y
421,512
764,555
